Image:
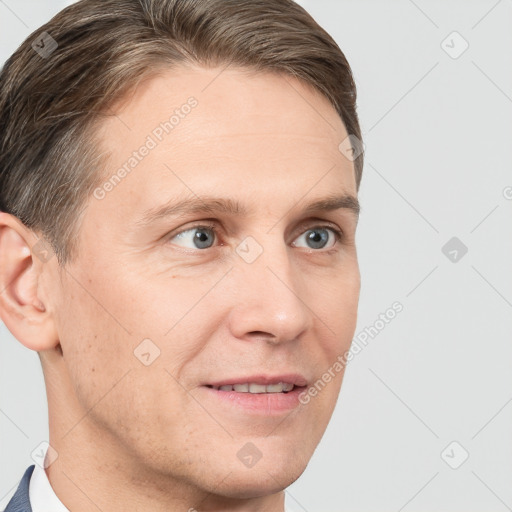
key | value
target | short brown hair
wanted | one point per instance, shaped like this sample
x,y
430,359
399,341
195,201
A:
x,y
50,104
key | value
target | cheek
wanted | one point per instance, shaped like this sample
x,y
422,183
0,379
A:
x,y
114,390
95,344
337,306
119,332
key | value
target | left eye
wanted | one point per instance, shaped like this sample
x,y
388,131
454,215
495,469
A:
x,y
203,237
318,237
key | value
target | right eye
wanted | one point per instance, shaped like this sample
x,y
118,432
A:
x,y
196,237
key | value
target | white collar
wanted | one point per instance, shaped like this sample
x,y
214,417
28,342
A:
x,y
41,494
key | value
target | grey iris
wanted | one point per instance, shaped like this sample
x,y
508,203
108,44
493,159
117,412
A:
x,y
318,238
201,238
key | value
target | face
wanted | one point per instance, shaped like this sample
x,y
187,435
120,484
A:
x,y
242,283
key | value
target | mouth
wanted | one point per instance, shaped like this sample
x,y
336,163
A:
x,y
253,388
283,383
258,394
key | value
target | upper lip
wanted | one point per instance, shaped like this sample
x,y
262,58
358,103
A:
x,y
291,378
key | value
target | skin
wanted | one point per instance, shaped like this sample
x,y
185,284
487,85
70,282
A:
x,y
136,437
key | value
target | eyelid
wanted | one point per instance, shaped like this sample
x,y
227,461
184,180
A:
x,y
200,224
319,223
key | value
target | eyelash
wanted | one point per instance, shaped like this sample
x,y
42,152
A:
x,y
338,233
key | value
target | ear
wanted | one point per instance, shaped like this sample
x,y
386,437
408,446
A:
x,y
24,307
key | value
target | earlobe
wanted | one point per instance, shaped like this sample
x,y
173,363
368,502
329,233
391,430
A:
x,y
22,307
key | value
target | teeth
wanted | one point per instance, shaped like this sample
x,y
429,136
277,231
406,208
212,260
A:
x,y
257,388
278,388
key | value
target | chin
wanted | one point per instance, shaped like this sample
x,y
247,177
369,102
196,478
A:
x,y
268,476
255,483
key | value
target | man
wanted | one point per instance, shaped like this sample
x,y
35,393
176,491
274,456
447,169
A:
x,y
177,242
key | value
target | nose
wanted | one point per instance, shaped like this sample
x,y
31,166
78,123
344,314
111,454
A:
x,y
269,298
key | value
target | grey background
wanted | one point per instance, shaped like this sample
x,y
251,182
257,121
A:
x,y
438,135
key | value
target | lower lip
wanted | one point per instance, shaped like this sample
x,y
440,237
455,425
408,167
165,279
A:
x,y
261,403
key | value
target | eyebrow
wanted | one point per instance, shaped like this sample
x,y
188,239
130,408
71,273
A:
x,y
216,205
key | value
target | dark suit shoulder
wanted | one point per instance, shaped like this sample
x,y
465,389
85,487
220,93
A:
x,y
20,501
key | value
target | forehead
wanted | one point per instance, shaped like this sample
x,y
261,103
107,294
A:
x,y
223,128
230,102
